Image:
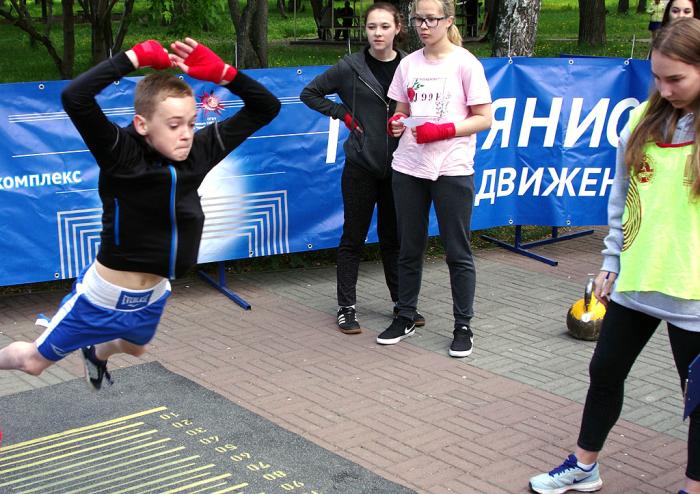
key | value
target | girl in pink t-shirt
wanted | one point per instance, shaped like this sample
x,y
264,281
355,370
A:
x,y
443,99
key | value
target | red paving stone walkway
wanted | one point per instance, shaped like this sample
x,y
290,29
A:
x,y
409,412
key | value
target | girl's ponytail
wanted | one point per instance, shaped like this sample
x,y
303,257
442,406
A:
x,y
454,35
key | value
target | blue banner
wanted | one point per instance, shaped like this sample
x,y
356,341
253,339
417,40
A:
x,y
547,160
549,157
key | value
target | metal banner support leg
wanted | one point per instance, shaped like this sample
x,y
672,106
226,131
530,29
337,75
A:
x,y
220,285
520,248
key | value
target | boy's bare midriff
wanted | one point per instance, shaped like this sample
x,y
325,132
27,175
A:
x,y
128,279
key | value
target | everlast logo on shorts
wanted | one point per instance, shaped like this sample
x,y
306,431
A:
x,y
132,301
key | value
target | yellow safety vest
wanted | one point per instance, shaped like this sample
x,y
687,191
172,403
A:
x,y
661,223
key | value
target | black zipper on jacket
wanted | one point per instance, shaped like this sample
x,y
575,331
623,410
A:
x,y
386,103
372,89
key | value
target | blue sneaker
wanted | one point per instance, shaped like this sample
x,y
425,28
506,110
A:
x,y
567,477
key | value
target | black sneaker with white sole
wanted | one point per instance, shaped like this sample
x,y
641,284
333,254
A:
x,y
347,320
401,327
95,369
462,344
418,319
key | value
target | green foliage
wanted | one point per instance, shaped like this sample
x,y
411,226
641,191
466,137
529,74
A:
x,y
186,16
208,21
161,11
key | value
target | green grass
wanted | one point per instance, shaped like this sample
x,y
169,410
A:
x,y
559,21
285,55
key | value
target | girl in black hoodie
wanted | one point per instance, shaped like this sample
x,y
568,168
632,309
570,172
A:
x,y
362,80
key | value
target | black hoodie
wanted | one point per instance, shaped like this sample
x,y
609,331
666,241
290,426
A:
x,y
152,218
363,97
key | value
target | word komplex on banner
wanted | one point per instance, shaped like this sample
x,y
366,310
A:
x,y
548,159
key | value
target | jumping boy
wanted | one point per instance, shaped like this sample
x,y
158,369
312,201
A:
x,y
152,217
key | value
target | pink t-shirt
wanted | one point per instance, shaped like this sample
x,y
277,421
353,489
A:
x,y
439,92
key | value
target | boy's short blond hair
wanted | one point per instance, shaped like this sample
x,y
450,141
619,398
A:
x,y
155,88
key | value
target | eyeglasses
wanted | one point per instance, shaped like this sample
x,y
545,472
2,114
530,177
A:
x,y
429,21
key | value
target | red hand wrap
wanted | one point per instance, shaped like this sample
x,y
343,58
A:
x,y
350,122
150,53
395,117
229,74
430,132
206,65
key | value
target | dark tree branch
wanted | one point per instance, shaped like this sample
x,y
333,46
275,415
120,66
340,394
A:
x,y
25,23
123,26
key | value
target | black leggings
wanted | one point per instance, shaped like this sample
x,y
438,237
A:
x,y
362,190
624,334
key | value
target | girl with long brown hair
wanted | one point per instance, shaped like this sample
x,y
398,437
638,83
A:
x,y
651,266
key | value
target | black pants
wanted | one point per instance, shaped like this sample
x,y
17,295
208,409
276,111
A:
x,y
361,191
452,198
624,334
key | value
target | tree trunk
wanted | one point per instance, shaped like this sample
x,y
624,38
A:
x,y
99,15
23,13
258,36
25,23
642,7
623,6
591,22
317,9
107,36
241,22
235,13
295,4
412,41
280,7
98,51
123,26
251,32
491,15
516,28
48,19
68,40
246,52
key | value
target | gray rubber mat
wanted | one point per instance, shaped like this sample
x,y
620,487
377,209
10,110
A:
x,y
157,432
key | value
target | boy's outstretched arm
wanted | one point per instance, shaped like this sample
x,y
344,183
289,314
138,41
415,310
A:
x,y
79,98
260,105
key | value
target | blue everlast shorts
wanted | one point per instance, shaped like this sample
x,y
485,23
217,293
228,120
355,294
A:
x,y
97,311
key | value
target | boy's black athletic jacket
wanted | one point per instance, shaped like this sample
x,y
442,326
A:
x,y
152,217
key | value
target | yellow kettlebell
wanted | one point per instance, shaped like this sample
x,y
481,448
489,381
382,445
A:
x,y
585,317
